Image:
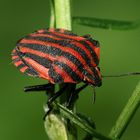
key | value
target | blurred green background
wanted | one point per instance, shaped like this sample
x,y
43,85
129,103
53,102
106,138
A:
x,y
21,114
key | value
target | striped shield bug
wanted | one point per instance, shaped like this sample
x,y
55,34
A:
x,y
58,56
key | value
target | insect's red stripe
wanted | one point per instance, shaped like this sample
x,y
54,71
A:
x,y
88,53
64,49
14,51
14,57
64,75
23,69
50,57
18,63
97,51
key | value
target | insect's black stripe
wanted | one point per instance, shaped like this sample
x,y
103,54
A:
x,y
57,78
83,42
64,43
94,56
68,70
21,66
54,52
42,61
31,72
16,60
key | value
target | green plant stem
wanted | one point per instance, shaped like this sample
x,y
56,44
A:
x,y
63,20
62,14
127,114
52,14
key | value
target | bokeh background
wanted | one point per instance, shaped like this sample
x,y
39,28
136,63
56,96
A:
x,y
21,114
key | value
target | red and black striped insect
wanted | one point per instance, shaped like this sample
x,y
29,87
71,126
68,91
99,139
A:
x,y
58,56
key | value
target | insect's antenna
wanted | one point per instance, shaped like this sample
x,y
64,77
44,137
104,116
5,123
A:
x,y
122,75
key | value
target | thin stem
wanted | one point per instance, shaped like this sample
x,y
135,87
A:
x,y
127,114
122,75
62,13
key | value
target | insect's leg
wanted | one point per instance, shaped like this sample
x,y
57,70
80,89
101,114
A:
x,y
44,87
53,98
74,95
80,88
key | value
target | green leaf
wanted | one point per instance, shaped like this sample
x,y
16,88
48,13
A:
x,y
106,23
81,123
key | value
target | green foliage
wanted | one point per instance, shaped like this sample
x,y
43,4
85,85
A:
x,y
106,23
